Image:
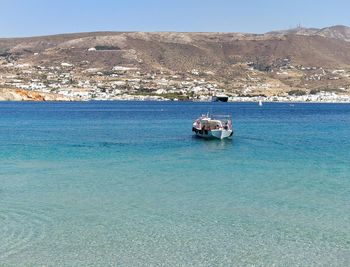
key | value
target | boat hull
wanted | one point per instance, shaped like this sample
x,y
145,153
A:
x,y
213,134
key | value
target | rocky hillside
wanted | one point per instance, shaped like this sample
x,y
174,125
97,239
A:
x,y
297,59
339,32
26,95
326,47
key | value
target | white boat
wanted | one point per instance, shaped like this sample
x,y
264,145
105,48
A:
x,y
260,103
213,127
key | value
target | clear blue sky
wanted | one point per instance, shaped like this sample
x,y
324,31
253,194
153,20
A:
x,y
41,17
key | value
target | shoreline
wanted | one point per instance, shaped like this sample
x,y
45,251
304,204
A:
x,y
169,100
39,96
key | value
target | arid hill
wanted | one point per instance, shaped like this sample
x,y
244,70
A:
x,y
229,57
326,47
340,32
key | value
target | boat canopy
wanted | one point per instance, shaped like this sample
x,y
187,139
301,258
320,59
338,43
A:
x,y
211,123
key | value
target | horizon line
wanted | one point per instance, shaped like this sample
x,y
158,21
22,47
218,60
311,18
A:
x,y
161,31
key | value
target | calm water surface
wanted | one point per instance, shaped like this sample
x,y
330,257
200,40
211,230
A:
x,y
126,184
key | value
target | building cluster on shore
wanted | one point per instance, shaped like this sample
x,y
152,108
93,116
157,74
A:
x,y
119,83
82,82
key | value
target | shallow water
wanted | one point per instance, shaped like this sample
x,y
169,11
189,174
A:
x,y
126,184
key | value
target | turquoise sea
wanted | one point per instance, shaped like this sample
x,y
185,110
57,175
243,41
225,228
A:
x,y
127,184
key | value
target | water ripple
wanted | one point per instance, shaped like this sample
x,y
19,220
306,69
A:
x,y
20,228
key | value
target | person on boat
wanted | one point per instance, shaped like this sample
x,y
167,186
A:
x,y
226,126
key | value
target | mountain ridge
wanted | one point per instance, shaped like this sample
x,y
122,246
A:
x,y
340,32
